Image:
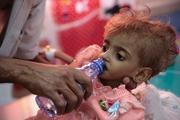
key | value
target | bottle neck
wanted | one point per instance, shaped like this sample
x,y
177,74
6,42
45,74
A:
x,y
99,64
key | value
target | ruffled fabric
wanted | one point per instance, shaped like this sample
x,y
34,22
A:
x,y
133,109
159,104
130,107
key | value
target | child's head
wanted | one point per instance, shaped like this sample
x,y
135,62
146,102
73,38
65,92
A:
x,y
136,47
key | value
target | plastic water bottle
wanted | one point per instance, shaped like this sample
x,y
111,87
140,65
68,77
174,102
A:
x,y
93,69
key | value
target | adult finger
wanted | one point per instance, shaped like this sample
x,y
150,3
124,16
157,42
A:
x,y
70,98
85,82
77,89
59,102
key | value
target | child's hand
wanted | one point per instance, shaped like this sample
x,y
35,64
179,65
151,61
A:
x,y
86,55
49,56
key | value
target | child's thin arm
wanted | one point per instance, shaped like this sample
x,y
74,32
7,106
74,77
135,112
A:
x,y
63,56
48,56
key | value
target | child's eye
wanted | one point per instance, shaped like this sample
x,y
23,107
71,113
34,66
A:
x,y
120,57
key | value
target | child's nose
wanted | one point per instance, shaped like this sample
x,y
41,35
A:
x,y
105,56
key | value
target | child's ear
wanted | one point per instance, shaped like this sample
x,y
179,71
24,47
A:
x,y
143,74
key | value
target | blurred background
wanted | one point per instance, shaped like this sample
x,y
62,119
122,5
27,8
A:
x,y
71,25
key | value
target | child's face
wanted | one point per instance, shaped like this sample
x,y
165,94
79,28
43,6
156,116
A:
x,y
120,57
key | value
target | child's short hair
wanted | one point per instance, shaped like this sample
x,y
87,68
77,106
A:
x,y
155,41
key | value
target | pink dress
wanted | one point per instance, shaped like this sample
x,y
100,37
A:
x,y
130,107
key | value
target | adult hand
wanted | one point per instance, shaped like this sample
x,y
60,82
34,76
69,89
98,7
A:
x,y
54,81
48,80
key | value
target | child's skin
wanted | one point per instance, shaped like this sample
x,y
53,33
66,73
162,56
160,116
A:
x,y
121,60
60,55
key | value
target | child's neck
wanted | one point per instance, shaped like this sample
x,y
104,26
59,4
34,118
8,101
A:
x,y
113,84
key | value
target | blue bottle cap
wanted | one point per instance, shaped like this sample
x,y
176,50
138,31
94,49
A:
x,y
100,64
